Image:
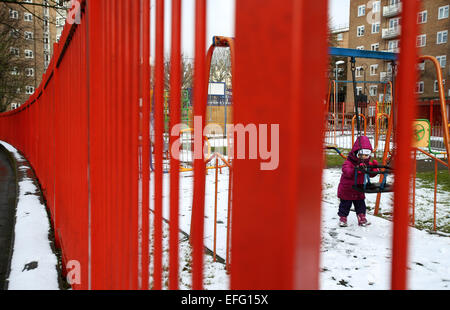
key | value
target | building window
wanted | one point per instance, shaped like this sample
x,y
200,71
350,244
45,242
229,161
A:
x,y
373,90
375,47
376,28
359,90
28,17
394,23
14,33
436,85
373,70
13,14
15,71
372,111
421,40
393,46
29,71
29,54
29,90
361,10
376,7
340,37
14,51
443,12
421,66
359,71
60,21
422,17
28,35
420,87
442,37
360,31
361,48
442,60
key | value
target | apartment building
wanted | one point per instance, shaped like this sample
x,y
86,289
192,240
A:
x,y
40,23
341,36
376,26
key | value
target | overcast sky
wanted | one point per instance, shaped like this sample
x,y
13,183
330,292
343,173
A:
x,y
339,12
221,20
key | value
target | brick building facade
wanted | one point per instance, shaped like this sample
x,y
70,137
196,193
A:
x,y
41,23
375,25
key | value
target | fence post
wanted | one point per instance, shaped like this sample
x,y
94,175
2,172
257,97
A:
x,y
284,208
406,94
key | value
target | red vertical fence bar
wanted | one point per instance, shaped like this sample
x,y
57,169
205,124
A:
x,y
134,132
145,142
307,87
121,162
200,97
175,119
280,198
113,107
126,144
96,141
159,130
406,94
106,9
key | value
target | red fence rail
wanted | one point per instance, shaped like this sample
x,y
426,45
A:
x,y
85,131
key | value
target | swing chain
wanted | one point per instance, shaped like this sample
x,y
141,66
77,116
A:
x,y
355,97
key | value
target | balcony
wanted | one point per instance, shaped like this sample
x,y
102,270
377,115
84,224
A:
x,y
392,50
392,10
391,33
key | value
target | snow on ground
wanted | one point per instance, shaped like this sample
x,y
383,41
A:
x,y
33,265
215,276
360,257
352,258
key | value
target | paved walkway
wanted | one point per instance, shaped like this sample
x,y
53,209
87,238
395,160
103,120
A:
x,y
7,213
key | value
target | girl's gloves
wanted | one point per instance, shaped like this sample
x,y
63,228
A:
x,y
362,167
374,163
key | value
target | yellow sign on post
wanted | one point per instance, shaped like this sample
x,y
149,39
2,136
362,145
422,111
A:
x,y
421,137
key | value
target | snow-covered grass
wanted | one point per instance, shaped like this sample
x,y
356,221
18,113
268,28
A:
x,y
352,258
215,276
360,257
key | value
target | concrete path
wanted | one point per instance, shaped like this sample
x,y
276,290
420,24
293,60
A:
x,y
7,213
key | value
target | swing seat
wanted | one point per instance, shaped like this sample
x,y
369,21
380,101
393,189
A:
x,y
373,188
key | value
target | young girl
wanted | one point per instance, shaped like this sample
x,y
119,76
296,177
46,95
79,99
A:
x,y
358,156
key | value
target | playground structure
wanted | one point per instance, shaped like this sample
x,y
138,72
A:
x,y
422,130
93,154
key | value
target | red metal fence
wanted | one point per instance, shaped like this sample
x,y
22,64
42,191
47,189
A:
x,y
86,133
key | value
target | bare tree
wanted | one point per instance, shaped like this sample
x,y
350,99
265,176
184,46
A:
x,y
58,5
13,75
16,72
221,66
187,71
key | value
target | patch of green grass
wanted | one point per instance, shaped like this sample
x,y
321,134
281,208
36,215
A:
x,y
427,179
221,149
334,160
